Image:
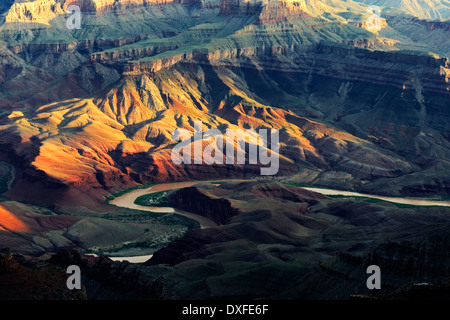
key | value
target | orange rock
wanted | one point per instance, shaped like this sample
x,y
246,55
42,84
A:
x,y
8,221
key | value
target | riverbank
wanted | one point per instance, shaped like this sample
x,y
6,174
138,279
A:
x,y
405,201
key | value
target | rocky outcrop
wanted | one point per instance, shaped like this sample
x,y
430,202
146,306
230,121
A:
x,y
34,11
102,279
417,260
37,11
22,279
280,11
371,43
192,200
240,7
426,262
191,246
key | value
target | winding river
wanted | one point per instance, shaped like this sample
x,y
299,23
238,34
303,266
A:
x,y
127,201
410,201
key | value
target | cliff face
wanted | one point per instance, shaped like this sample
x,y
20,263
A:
x,y
286,242
35,11
377,67
102,279
39,11
240,7
191,200
25,280
421,265
424,260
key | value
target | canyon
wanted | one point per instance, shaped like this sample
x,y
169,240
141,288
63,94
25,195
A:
x,y
302,239
88,113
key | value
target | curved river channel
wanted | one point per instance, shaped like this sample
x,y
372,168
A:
x,y
127,201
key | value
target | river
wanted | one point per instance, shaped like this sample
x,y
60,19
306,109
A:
x,y
410,201
127,201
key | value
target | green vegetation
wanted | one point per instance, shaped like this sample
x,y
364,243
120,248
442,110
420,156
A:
x,y
143,245
3,184
153,199
374,200
125,191
47,213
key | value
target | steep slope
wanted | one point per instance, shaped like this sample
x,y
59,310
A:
x,y
124,138
88,112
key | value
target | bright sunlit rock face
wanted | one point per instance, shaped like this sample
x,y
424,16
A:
x,y
9,222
